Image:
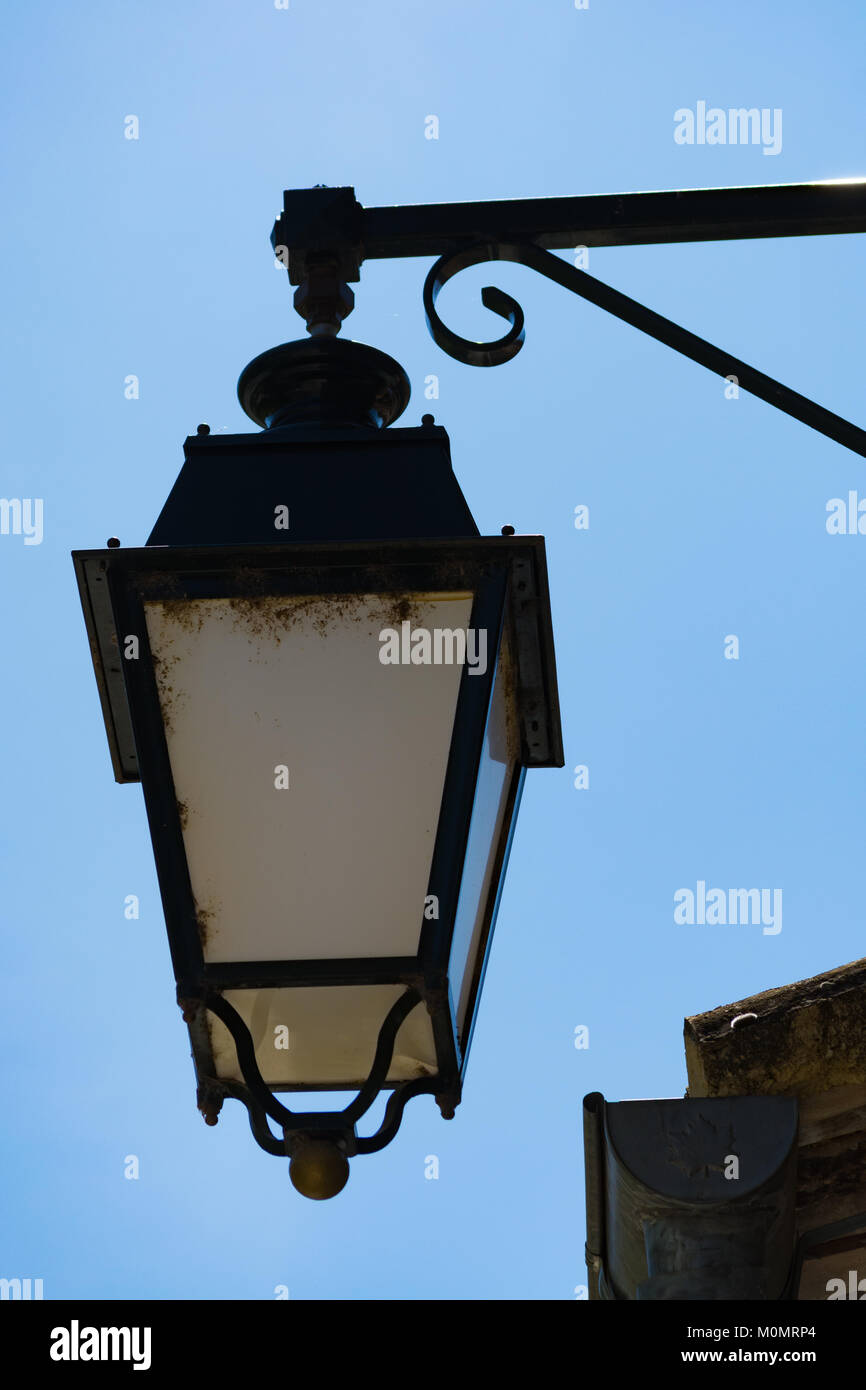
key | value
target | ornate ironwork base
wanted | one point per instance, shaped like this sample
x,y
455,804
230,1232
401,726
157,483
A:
x,y
318,1143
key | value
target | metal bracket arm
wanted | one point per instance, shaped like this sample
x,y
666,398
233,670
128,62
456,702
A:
x,y
492,354
324,234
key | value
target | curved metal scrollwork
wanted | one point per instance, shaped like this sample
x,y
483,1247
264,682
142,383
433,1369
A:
x,y
262,1132
261,1102
397,1102
464,349
492,354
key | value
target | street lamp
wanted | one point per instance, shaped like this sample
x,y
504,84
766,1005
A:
x,y
330,687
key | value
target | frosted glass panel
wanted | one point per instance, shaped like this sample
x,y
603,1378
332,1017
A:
x,y
309,774
326,1036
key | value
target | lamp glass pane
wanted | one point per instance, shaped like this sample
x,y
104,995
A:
x,y
309,774
497,767
325,1036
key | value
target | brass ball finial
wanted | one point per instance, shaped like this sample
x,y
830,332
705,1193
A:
x,y
318,1169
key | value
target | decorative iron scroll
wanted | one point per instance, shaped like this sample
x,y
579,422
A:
x,y
494,353
261,1102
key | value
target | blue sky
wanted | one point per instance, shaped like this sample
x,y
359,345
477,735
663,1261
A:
x,y
707,518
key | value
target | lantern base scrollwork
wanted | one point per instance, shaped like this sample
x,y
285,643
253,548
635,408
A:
x,y
318,1144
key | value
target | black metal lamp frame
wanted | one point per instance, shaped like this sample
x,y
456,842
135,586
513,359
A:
x,y
508,578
